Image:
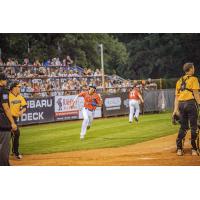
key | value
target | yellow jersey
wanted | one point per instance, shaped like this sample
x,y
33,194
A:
x,y
16,104
191,83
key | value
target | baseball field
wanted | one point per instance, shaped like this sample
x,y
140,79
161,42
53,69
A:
x,y
110,141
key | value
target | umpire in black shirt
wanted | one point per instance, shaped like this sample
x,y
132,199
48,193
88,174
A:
x,y
6,122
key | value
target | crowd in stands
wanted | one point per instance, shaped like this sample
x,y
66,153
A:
x,y
146,84
67,61
54,77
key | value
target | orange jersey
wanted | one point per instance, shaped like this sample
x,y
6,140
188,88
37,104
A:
x,y
90,100
134,94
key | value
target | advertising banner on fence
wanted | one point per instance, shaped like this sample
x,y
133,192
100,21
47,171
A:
x,y
49,109
115,104
39,110
64,112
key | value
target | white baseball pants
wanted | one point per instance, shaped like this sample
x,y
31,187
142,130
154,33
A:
x,y
134,108
87,120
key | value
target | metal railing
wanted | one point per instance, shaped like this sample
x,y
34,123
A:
x,y
59,92
59,80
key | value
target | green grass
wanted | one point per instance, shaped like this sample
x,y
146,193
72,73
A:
x,y
108,132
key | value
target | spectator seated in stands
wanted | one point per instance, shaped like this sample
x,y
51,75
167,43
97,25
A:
x,y
142,85
70,73
68,61
89,72
10,62
97,73
53,62
151,85
37,63
51,77
85,70
57,62
47,63
42,71
26,62
1,62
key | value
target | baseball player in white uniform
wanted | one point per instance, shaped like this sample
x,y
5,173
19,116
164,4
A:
x,y
91,101
134,99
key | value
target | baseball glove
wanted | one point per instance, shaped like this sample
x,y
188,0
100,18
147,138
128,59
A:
x,y
94,103
175,119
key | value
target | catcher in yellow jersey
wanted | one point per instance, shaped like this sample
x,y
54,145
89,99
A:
x,y
186,105
18,106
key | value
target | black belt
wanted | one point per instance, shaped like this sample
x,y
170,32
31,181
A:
x,y
187,101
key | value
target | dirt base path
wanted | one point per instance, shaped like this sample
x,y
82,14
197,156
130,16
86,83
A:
x,y
157,152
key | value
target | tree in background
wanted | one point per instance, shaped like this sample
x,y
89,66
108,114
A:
x,y
133,56
83,48
159,55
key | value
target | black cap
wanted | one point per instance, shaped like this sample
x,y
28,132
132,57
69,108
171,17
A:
x,y
14,84
3,77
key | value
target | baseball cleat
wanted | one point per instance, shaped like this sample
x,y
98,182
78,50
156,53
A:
x,y
136,119
82,138
179,152
18,157
130,122
88,127
195,153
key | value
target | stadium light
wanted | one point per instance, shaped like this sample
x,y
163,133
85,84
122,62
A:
x,y
102,67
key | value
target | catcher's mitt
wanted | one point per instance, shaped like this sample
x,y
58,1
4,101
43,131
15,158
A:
x,y
175,119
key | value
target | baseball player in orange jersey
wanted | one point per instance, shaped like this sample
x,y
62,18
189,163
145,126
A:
x,y
134,98
91,101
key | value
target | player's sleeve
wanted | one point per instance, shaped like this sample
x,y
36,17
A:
x,y
98,99
177,88
82,94
138,93
195,84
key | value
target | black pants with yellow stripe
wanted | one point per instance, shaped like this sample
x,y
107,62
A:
x,y
188,119
15,139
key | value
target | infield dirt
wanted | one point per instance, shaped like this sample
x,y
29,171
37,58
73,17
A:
x,y
157,152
